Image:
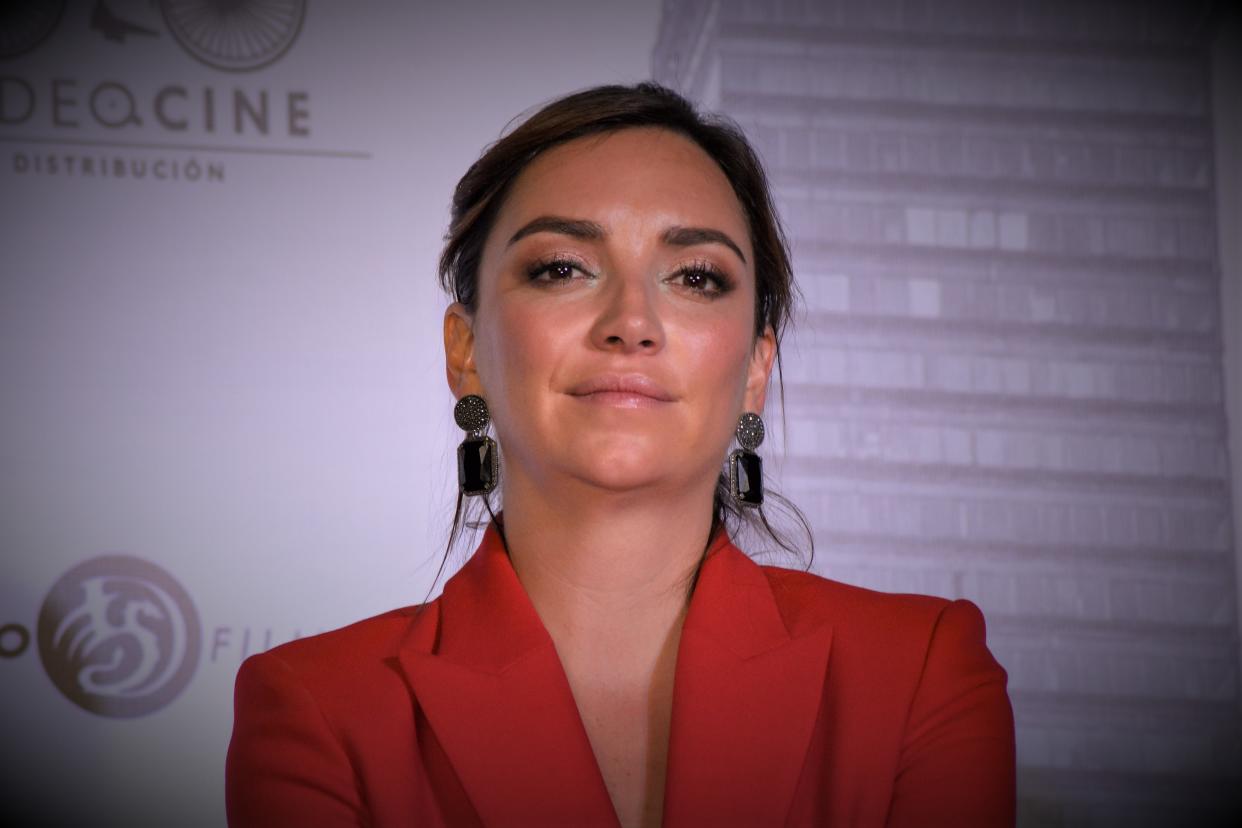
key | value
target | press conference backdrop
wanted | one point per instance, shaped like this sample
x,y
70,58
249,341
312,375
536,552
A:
x,y
226,424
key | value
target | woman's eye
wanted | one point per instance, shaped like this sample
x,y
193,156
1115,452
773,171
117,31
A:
x,y
702,280
558,270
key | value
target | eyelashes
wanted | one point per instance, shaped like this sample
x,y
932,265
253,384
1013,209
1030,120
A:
x,y
705,278
558,270
700,277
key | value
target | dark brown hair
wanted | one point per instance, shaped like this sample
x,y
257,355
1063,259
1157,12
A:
x,y
483,190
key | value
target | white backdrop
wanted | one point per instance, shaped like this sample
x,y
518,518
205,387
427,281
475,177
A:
x,y
237,375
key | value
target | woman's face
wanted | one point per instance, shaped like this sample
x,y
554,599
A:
x,y
621,257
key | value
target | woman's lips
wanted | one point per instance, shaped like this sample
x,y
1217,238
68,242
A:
x,y
621,399
622,391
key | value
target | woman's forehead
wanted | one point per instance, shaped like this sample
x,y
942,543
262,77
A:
x,y
651,173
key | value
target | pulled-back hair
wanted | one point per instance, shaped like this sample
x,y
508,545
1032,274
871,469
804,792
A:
x,y
484,188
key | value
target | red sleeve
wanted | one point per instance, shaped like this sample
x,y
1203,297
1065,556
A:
x,y
957,760
285,765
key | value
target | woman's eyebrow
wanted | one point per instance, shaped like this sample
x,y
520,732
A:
x,y
686,236
578,228
590,231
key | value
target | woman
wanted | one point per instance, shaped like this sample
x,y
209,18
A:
x,y
607,655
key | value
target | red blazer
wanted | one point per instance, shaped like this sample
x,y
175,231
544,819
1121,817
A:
x,y
797,701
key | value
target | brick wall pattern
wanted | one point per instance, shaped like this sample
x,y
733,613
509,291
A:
x,y
1007,382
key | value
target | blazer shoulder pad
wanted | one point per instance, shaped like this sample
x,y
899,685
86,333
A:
x,y
807,600
354,646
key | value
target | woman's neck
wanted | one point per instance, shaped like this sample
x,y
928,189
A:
x,y
608,575
609,571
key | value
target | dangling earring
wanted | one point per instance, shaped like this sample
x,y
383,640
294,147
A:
x,y
478,464
746,467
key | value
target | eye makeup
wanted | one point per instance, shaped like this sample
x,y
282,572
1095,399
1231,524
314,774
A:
x,y
558,268
704,277
700,276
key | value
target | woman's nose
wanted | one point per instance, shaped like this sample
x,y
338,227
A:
x,y
628,318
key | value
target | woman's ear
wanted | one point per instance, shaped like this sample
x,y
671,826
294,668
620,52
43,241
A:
x,y
762,356
459,367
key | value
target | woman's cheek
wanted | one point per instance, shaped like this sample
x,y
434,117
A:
x,y
493,360
521,353
717,356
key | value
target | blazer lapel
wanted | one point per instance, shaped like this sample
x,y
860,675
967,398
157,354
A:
x,y
745,697
496,695
745,700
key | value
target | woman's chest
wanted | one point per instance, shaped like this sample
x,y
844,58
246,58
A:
x,y
628,728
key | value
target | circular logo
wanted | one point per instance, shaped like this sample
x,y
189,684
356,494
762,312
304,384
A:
x,y
234,35
119,636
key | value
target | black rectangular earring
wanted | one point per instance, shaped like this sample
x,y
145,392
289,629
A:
x,y
746,467
478,462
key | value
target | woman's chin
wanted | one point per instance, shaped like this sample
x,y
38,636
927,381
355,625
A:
x,y
619,462
633,472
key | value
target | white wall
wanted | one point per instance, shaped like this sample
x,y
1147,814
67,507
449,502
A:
x,y
239,380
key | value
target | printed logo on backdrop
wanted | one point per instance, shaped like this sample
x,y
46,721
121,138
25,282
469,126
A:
x,y
233,35
119,636
80,120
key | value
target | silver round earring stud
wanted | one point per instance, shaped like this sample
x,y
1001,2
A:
x,y
471,414
750,431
